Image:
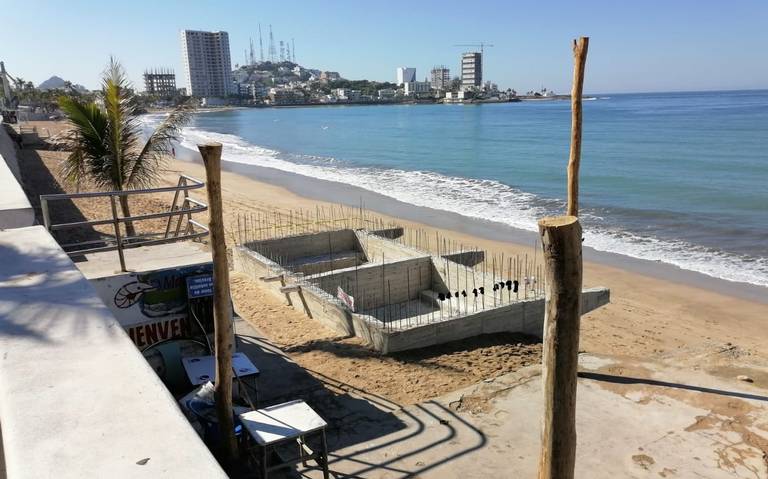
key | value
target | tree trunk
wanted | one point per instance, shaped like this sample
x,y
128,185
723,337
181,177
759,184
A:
x,y
561,241
580,48
222,313
129,229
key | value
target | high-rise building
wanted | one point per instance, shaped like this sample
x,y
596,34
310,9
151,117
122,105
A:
x,y
207,63
441,78
161,82
406,75
471,70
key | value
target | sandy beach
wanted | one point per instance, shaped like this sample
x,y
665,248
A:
x,y
647,316
701,324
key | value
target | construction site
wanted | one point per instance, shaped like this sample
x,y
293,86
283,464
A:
x,y
397,289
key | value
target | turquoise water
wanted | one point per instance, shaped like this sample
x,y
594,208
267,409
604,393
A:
x,y
675,177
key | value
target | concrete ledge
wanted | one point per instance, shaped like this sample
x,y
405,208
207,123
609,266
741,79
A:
x,y
77,399
15,209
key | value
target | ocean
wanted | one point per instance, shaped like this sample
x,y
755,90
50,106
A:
x,y
680,178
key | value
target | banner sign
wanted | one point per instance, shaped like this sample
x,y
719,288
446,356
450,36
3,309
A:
x,y
345,298
153,305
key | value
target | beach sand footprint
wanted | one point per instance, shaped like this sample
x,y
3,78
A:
x,y
643,460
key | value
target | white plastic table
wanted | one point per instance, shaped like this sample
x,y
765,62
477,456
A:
x,y
201,369
286,422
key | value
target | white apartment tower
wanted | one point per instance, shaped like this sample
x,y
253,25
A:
x,y
405,75
471,70
207,63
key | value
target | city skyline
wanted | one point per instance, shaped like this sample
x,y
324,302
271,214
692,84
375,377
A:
x,y
651,47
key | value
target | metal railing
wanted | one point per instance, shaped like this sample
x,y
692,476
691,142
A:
x,y
173,232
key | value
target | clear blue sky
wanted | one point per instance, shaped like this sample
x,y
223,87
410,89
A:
x,y
635,46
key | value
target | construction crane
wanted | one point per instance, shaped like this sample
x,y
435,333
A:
x,y
8,101
482,45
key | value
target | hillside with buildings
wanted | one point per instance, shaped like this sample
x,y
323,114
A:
x,y
280,80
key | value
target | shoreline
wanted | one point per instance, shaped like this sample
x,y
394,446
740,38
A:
x,y
655,313
349,195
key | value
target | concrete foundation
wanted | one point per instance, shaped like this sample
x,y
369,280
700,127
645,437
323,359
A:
x,y
394,297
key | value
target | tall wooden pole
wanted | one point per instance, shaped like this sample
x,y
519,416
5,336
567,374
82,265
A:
x,y
561,243
580,47
222,313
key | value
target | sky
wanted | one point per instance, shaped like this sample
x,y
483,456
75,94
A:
x,y
635,46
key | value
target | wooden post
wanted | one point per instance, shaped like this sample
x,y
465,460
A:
x,y
579,61
222,313
561,244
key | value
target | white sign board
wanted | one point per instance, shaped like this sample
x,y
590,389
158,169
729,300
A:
x,y
345,298
153,306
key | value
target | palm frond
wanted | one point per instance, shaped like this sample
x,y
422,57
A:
x,y
148,165
122,133
106,141
85,140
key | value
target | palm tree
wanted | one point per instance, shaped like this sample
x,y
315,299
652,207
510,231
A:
x,y
106,144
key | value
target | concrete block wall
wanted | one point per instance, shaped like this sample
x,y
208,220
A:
x,y
375,285
375,246
317,267
308,245
314,303
467,258
391,233
526,316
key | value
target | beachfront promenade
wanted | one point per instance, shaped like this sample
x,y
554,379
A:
x,y
77,399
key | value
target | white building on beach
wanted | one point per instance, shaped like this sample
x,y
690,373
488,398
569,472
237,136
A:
x,y
207,64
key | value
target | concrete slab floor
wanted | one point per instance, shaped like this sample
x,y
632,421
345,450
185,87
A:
x,y
144,258
636,420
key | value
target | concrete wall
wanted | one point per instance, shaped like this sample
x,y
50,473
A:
x,y
466,258
308,245
376,246
315,303
77,399
390,233
310,267
378,284
15,209
520,317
